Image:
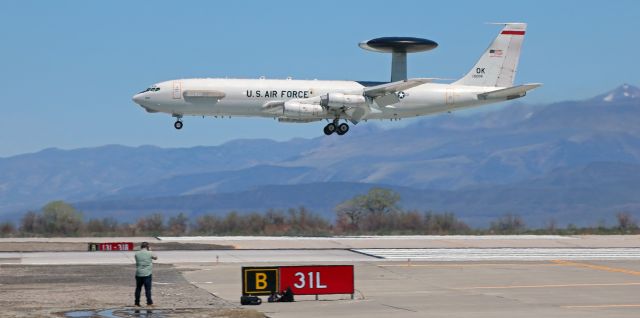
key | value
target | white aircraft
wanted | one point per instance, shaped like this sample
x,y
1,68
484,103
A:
x,y
302,101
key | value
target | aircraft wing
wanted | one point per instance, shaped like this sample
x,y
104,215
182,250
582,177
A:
x,y
509,93
385,94
394,87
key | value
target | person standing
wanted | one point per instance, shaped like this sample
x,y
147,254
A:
x,y
144,269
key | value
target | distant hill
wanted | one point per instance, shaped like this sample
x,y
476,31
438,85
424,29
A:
x,y
583,195
574,161
30,180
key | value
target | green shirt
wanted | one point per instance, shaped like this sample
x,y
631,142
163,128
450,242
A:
x,y
144,263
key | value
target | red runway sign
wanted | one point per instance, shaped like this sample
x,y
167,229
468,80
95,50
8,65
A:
x,y
119,246
317,280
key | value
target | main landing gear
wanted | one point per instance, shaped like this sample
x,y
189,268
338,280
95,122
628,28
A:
x,y
340,129
178,123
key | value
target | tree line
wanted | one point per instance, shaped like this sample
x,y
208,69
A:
x,y
374,213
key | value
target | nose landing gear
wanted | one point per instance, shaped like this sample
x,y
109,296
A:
x,y
178,123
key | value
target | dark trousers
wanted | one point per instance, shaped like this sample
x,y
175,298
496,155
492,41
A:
x,y
146,282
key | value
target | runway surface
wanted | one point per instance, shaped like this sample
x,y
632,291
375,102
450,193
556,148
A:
x,y
186,257
352,249
326,255
417,241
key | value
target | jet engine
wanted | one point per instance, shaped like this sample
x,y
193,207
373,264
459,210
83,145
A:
x,y
302,110
339,100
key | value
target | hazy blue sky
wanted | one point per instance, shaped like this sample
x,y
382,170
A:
x,y
68,69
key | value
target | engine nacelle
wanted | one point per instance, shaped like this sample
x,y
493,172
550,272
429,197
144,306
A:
x,y
302,110
339,100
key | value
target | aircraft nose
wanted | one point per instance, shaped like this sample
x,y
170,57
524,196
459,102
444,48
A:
x,y
137,98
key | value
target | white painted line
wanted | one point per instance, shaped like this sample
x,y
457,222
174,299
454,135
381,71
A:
x,y
503,254
209,257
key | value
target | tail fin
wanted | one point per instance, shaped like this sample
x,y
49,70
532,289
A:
x,y
497,66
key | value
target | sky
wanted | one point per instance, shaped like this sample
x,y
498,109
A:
x,y
68,69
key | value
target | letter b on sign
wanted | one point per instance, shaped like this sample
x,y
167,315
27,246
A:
x,y
259,280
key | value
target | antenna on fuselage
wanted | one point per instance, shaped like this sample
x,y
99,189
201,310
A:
x,y
398,47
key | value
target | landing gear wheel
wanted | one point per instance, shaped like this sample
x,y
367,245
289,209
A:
x,y
177,125
342,129
329,129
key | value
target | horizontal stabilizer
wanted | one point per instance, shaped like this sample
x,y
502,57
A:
x,y
509,93
393,87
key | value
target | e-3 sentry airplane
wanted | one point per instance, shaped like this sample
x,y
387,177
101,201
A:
x,y
302,101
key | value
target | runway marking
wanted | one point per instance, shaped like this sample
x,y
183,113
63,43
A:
x,y
603,306
598,267
500,254
468,265
550,286
399,308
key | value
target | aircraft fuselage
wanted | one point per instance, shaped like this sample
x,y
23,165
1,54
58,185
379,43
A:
x,y
248,97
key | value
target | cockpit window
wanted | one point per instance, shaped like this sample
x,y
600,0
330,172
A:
x,y
150,89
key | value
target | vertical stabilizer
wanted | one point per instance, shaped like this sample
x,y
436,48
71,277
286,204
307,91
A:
x,y
497,66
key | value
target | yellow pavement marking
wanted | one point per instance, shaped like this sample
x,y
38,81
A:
x,y
597,267
604,306
550,286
